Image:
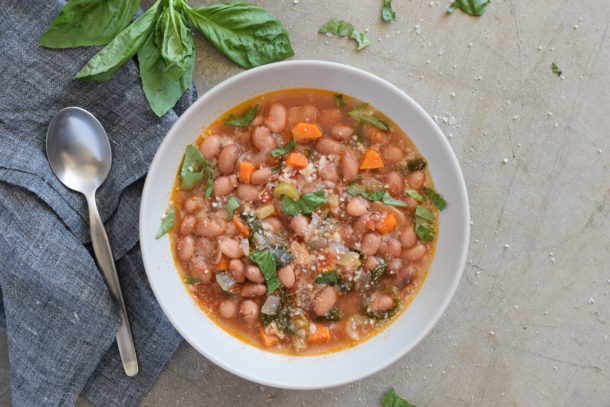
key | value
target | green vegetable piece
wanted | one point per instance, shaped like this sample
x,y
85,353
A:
x,y
414,194
232,204
424,232
424,214
378,272
286,189
175,41
122,48
391,399
436,198
361,113
556,69
382,195
385,314
305,205
334,314
167,223
424,224
416,164
387,13
277,168
327,277
339,101
244,32
389,200
473,7
244,120
191,280
195,168
82,23
266,262
286,148
344,29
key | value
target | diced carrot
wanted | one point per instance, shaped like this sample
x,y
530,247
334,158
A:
x,y
268,340
321,335
223,264
297,160
241,227
371,160
306,132
388,224
246,169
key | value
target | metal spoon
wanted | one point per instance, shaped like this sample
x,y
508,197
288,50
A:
x,y
79,154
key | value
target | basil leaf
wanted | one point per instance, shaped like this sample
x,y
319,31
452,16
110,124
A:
x,y
83,23
244,120
424,214
379,272
416,164
556,69
344,29
167,223
191,280
305,205
391,399
244,32
414,194
265,260
436,198
175,41
327,277
424,224
473,7
232,204
389,200
195,168
283,256
386,11
381,195
361,114
121,49
286,148
339,101
334,314
424,232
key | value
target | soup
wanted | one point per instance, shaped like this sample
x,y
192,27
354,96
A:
x,y
305,221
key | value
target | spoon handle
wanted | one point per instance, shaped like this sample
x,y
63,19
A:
x,y
101,247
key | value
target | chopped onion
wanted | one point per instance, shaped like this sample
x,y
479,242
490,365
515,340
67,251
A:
x,y
354,326
300,254
264,211
225,281
350,260
316,220
271,305
245,246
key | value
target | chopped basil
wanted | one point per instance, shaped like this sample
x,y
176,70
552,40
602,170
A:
x,y
386,11
276,152
389,200
385,314
254,224
339,101
436,198
282,316
191,280
266,262
232,204
344,29
305,205
473,7
167,222
416,164
195,168
424,224
277,168
382,195
414,194
362,114
283,256
334,314
327,277
556,69
378,272
391,399
244,120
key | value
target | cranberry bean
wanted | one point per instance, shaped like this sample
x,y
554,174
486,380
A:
x,y
211,226
349,165
250,290
273,223
236,268
370,244
199,269
404,276
193,204
395,182
360,226
254,274
329,172
381,303
206,247
186,248
371,263
228,158
391,154
210,146
306,113
416,179
408,237
224,185
187,225
329,117
390,247
324,301
262,139
299,224
276,118
227,309
261,176
248,311
394,266
376,136
230,248
328,146
248,192
416,253
341,132
286,276
357,206
258,121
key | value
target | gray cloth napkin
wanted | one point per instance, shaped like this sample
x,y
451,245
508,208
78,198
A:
x,y
55,308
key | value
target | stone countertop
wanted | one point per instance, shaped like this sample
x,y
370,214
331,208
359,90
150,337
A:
x,y
530,322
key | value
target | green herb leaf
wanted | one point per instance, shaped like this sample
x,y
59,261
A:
x,y
327,277
382,195
191,280
424,224
232,204
167,223
286,148
416,164
339,101
304,205
244,120
473,7
424,214
414,194
379,272
244,32
195,168
122,48
436,198
174,39
385,314
556,69
391,399
386,11
334,314
266,262
344,29
389,200
283,256
361,113
83,23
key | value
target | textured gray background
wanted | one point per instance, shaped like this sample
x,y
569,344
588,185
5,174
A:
x,y
529,325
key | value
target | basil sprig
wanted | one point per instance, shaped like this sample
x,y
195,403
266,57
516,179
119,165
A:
x,y
344,29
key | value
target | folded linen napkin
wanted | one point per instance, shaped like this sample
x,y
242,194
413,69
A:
x,y
55,308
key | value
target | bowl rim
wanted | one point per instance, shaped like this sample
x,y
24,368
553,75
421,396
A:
x,y
462,251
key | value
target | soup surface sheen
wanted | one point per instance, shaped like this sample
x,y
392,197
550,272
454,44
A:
x,y
305,221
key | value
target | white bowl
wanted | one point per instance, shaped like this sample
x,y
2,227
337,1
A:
x,y
307,372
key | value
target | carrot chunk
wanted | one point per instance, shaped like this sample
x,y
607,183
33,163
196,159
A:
x,y
246,169
223,264
268,340
306,132
297,160
388,224
241,227
371,160
321,335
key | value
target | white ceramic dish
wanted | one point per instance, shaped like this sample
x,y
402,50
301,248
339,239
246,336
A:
x,y
309,372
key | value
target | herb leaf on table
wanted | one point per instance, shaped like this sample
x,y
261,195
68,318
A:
x,y
391,399
386,11
556,69
473,7
344,29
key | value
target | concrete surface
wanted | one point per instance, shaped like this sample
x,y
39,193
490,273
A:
x,y
530,323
